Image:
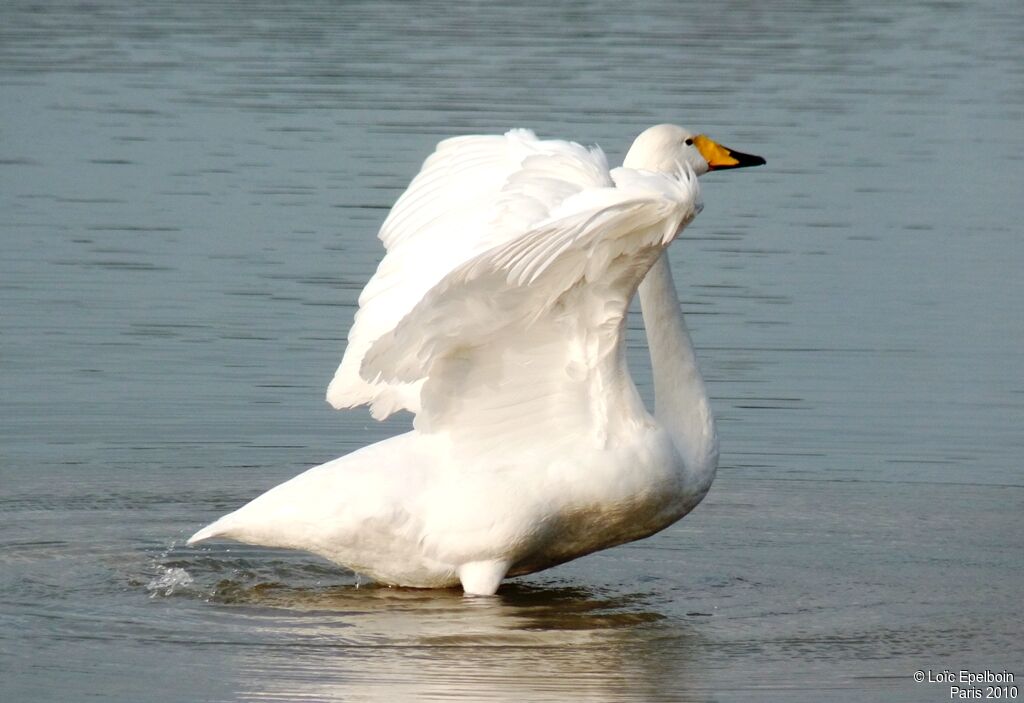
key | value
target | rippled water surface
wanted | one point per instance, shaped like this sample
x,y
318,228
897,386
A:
x,y
189,194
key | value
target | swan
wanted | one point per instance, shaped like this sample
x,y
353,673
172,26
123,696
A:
x,y
497,317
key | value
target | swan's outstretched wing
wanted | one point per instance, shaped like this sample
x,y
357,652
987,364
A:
x,y
472,194
524,340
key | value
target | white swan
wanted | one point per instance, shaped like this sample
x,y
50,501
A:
x,y
497,316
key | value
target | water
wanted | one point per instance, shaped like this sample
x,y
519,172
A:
x,y
188,199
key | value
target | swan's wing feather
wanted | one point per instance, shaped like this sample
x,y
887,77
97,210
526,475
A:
x,y
520,334
472,194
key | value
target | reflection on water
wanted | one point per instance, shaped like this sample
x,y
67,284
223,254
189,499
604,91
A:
x,y
189,193
322,641
527,644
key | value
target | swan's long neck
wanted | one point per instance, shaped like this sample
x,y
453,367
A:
x,y
680,399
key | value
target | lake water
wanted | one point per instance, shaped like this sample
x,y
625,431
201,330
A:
x,y
189,196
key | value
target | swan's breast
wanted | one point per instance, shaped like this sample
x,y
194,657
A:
x,y
609,498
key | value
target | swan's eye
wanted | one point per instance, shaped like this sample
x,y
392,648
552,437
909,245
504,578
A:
x,y
689,142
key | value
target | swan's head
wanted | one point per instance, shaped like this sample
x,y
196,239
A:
x,y
666,148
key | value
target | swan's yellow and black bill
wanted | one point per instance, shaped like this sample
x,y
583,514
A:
x,y
720,157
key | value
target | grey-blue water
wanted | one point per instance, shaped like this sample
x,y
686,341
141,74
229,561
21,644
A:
x,y
189,197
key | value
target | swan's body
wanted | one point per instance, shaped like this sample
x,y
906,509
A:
x,y
497,317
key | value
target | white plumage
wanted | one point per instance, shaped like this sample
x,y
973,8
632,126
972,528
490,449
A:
x,y
497,317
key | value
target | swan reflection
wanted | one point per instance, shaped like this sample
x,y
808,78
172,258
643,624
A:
x,y
528,643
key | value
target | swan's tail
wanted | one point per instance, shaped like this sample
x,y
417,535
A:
x,y
218,528
259,521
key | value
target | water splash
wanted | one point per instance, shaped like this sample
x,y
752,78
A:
x,y
168,581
